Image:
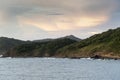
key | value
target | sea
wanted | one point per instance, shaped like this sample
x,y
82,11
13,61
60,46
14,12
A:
x,y
59,69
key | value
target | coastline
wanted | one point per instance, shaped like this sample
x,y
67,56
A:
x,y
94,57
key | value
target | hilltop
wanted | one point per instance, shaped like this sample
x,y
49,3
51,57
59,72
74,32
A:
x,y
72,37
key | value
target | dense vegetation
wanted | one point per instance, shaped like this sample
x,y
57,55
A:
x,y
106,43
39,49
8,43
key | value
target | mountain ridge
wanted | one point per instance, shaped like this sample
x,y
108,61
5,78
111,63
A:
x,y
103,45
8,43
51,39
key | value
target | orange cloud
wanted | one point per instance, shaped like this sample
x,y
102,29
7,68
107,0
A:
x,y
91,21
63,23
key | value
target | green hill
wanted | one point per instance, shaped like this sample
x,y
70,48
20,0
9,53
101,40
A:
x,y
39,49
8,43
106,44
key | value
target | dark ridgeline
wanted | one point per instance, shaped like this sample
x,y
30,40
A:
x,y
8,43
104,45
40,48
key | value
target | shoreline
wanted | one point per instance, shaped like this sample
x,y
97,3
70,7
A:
x,y
94,57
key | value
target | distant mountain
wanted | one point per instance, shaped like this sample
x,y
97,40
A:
x,y
8,43
43,40
72,37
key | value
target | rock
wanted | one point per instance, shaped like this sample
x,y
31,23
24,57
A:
x,y
96,57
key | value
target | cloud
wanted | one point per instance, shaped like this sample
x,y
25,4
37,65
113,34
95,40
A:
x,y
55,15
94,33
2,16
66,15
63,22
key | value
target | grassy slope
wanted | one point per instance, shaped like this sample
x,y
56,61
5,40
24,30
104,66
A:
x,y
106,43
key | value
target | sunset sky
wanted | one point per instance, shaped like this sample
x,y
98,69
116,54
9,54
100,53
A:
x,y
38,19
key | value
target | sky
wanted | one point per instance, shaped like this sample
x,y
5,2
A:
x,y
39,19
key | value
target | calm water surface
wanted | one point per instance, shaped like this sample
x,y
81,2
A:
x,y
58,69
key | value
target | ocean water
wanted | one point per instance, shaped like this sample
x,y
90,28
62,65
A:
x,y
58,69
